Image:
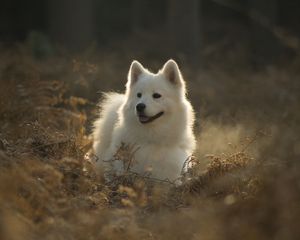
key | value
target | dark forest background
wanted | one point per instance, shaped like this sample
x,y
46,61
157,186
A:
x,y
167,27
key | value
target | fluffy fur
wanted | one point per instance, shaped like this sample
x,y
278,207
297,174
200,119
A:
x,y
160,129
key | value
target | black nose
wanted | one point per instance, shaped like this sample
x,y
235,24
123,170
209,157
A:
x,y
140,107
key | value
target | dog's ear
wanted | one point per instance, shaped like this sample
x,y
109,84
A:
x,y
172,72
135,70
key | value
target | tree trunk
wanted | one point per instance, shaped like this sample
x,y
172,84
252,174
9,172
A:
x,y
71,22
264,17
183,27
136,15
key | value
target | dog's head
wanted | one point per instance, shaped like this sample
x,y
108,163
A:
x,y
153,97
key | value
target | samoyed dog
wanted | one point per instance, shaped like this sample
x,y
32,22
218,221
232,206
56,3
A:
x,y
153,117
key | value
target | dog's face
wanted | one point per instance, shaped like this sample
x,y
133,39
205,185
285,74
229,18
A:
x,y
154,97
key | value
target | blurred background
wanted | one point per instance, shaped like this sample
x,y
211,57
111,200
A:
x,y
194,30
212,40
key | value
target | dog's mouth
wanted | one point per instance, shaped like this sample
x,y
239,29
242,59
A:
x,y
145,119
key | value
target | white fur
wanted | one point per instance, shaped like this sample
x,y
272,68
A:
x,y
162,145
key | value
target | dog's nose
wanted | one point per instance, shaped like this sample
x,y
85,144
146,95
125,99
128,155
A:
x,y
140,107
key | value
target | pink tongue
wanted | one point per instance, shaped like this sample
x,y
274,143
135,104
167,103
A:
x,y
143,118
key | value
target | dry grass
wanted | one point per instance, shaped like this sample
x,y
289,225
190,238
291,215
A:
x,y
244,182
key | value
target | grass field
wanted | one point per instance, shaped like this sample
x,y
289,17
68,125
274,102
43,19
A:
x,y
245,179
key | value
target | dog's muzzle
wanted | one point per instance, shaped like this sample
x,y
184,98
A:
x,y
145,119
140,108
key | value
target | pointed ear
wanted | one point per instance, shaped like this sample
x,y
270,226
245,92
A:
x,y
135,70
172,72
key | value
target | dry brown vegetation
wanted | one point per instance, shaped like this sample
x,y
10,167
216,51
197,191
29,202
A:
x,y
245,177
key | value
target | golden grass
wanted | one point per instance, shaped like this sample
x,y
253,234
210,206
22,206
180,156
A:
x,y
244,183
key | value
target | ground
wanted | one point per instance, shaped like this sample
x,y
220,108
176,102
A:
x,y
244,182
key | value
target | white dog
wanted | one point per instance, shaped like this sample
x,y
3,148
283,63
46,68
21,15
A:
x,y
153,117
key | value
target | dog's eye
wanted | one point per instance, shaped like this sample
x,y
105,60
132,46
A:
x,y
139,95
156,95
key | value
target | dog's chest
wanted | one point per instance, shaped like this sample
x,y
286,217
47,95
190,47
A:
x,y
163,162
